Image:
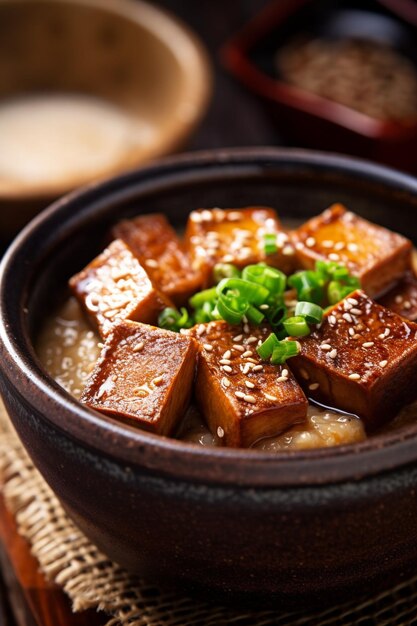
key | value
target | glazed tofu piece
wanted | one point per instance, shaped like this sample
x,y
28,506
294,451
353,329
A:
x,y
242,398
403,297
377,256
155,243
144,376
363,360
236,236
115,287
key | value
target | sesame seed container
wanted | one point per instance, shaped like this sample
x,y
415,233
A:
x,y
281,528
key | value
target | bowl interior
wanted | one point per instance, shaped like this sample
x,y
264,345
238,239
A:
x,y
128,54
63,239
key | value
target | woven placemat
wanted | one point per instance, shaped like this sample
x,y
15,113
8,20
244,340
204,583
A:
x,y
90,580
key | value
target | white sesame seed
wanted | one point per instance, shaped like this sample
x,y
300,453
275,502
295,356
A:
x,y
201,329
333,256
288,251
353,301
347,317
354,376
252,339
220,432
139,346
158,380
326,346
246,329
227,354
269,397
208,347
238,347
264,307
249,384
352,247
206,215
225,362
251,360
398,299
407,305
304,374
100,345
332,320
383,363
235,216
339,245
250,399
228,258
346,305
239,394
368,344
327,243
356,311
258,368
227,369
284,372
351,332
247,353
333,353
282,379
225,382
238,338
313,386
310,242
387,332
151,263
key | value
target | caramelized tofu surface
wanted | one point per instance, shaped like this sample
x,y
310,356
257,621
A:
x,y
403,297
377,256
155,243
114,287
242,398
236,236
363,359
144,375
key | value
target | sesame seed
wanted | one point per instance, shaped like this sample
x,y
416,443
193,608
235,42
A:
x,y
220,432
288,251
225,382
139,346
269,397
228,258
339,245
246,329
206,215
398,299
239,394
327,243
326,346
100,345
249,384
310,242
282,379
201,329
251,360
407,305
313,386
247,353
158,380
252,339
246,368
387,332
368,344
304,374
354,376
347,317
332,319
250,399
151,263
227,369
352,247
356,312
225,362
383,363
239,348
235,216
208,347
264,307
284,372
258,368
238,338
353,301
333,256
351,332
227,354
333,353
346,305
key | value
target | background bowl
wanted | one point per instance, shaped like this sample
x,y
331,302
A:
x,y
289,527
126,53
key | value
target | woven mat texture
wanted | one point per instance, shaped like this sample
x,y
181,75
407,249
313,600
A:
x,y
90,580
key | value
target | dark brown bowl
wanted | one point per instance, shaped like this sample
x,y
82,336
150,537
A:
x,y
295,526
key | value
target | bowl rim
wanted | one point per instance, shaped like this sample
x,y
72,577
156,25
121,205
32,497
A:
x,y
196,91
23,377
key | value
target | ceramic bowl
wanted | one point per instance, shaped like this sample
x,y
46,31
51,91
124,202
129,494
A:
x,y
289,527
126,53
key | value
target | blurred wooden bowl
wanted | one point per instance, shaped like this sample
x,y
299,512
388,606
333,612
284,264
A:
x,y
123,52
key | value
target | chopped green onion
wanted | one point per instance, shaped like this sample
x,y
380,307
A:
x,y
313,313
225,270
296,326
205,313
336,291
171,319
267,347
276,315
254,316
251,292
231,308
270,244
199,298
309,286
284,350
271,278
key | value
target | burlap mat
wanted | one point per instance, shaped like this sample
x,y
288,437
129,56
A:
x,y
92,581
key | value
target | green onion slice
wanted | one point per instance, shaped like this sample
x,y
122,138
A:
x,y
313,313
285,350
199,298
266,348
245,290
270,244
225,270
271,278
296,326
254,316
231,308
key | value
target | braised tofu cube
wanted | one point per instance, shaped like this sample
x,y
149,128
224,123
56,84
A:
x,y
377,256
114,287
144,376
236,236
155,243
362,359
403,297
242,398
